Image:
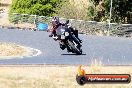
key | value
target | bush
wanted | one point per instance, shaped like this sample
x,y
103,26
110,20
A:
x,y
70,10
36,7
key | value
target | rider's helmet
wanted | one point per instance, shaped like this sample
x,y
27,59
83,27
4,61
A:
x,y
55,21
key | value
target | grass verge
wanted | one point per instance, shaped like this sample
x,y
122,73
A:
x,y
45,76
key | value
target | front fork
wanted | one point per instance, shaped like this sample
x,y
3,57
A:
x,y
76,40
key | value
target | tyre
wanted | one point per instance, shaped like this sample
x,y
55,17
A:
x,y
81,80
74,48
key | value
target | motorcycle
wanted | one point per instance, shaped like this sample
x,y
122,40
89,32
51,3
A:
x,y
68,40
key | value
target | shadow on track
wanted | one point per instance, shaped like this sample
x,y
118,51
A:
x,y
73,54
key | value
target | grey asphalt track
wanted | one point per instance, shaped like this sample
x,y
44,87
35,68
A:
x,y
108,50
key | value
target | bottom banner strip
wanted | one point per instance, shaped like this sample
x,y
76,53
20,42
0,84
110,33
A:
x,y
103,78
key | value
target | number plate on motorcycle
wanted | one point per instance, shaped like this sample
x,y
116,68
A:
x,y
62,37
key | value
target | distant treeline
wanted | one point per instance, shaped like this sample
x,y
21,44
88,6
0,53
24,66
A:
x,y
98,10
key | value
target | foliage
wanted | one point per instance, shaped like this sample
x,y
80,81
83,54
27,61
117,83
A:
x,y
96,2
91,12
36,7
70,10
98,10
121,10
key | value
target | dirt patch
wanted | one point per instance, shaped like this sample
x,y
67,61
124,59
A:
x,y
10,50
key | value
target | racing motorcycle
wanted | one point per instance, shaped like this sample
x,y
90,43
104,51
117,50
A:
x,y
67,39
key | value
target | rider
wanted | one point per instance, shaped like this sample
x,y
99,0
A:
x,y
56,23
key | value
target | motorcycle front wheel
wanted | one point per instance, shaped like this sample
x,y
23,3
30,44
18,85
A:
x,y
76,50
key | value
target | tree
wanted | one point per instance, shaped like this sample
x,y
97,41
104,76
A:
x,y
36,7
121,10
96,10
129,12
